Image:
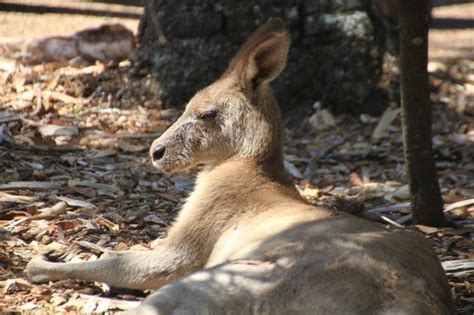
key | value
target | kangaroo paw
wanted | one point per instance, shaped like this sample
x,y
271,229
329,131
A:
x,y
37,270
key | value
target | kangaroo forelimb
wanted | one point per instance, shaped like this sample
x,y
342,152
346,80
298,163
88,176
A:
x,y
130,269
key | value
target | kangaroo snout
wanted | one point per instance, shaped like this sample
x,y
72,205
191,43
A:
x,y
167,155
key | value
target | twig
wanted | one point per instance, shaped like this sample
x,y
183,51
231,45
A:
x,y
385,120
15,223
135,136
112,303
308,172
107,187
76,202
91,246
391,222
45,213
390,208
408,217
47,148
63,97
152,12
9,119
36,204
33,185
404,219
459,267
459,204
30,122
40,148
4,197
50,212
124,135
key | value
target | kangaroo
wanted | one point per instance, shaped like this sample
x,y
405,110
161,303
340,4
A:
x,y
245,242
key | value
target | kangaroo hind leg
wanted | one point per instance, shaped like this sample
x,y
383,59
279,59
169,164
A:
x,y
238,287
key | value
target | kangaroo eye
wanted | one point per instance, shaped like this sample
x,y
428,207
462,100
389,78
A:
x,y
208,114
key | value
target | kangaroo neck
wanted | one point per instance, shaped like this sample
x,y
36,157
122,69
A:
x,y
267,168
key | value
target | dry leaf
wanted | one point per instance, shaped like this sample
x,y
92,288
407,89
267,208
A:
x,y
49,212
15,285
426,229
101,221
169,197
356,180
76,202
88,192
154,219
104,153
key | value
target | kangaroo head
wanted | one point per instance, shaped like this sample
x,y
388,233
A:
x,y
236,116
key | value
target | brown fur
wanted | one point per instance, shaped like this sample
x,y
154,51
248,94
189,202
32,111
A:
x,y
245,242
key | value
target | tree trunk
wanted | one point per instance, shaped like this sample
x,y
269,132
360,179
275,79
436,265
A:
x,y
333,59
427,202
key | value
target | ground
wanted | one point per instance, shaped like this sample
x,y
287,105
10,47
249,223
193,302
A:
x,y
77,180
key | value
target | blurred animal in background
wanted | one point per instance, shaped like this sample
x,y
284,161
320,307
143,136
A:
x,y
109,44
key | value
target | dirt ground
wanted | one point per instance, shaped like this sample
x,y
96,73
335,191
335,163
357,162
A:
x,y
76,179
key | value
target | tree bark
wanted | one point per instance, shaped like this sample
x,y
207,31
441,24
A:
x,y
426,197
334,57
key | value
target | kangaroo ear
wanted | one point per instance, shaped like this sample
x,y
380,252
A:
x,y
263,56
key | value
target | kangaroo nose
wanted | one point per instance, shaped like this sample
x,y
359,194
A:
x,y
158,153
